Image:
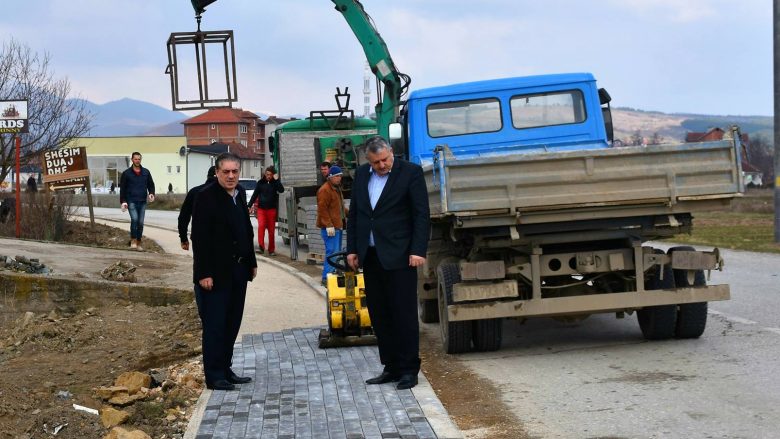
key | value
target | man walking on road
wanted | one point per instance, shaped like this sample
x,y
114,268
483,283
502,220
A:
x,y
387,234
330,216
185,213
223,263
136,186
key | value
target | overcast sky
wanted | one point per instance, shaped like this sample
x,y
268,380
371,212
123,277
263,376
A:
x,y
694,56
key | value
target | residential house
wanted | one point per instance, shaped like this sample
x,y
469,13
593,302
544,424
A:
x,y
242,131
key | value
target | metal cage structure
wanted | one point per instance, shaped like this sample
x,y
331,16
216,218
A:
x,y
199,40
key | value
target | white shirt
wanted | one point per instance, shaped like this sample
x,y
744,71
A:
x,y
376,184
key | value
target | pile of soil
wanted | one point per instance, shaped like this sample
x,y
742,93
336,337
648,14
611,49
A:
x,y
79,232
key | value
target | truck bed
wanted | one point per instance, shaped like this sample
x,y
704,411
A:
x,y
584,185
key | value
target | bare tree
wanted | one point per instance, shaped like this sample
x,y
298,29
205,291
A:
x,y
761,155
53,118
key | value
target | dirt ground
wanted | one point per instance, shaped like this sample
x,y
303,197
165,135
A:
x,y
55,361
50,362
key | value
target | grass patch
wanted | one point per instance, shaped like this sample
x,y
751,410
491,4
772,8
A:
x,y
734,230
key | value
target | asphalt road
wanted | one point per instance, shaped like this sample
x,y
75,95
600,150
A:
x,y
600,379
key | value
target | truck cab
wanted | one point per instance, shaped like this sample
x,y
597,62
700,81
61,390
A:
x,y
559,112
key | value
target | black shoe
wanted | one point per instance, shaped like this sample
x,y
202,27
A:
x,y
220,385
407,382
384,377
235,379
271,253
260,250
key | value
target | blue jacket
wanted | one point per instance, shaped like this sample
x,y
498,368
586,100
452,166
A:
x,y
134,188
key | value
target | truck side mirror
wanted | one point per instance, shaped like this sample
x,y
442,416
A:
x,y
271,144
606,113
604,97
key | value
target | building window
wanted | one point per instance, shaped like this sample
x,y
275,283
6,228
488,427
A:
x,y
243,142
257,163
178,169
169,169
213,126
242,129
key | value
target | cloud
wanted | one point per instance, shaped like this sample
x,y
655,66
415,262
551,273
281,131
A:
x,y
676,11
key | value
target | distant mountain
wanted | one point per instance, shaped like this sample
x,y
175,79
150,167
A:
x,y
129,117
169,129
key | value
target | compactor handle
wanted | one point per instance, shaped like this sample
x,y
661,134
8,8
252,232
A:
x,y
339,261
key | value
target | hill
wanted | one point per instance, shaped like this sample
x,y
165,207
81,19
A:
x,y
129,117
673,127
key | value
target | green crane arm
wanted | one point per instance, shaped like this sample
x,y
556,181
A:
x,y
380,61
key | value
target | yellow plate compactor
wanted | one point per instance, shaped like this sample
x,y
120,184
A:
x,y
348,321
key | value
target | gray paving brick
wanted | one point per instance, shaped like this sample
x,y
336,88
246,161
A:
x,y
301,391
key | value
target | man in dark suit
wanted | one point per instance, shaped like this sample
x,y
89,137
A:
x,y
185,212
387,234
223,263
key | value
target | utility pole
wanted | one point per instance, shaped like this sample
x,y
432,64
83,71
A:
x,y
776,34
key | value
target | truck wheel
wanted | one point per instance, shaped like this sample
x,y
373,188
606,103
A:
x,y
487,334
455,336
429,310
658,322
691,317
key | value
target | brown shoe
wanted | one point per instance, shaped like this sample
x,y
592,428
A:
x,y
133,244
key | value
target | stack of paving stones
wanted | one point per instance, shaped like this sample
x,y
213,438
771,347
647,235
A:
x,y
23,264
308,210
301,391
316,244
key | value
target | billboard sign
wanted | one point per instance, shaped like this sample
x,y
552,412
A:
x,y
65,168
13,117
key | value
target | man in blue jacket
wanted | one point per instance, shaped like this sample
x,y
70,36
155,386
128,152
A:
x,y
136,186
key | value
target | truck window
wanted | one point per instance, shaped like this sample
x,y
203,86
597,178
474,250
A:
x,y
546,109
464,117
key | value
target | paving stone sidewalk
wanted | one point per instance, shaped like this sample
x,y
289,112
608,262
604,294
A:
x,y
301,391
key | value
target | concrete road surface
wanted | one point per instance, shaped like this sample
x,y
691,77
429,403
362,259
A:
x,y
600,378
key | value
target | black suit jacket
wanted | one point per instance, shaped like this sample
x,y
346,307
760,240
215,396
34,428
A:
x,y
400,221
185,212
216,239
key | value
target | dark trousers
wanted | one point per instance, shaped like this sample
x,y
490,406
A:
x,y
392,306
220,313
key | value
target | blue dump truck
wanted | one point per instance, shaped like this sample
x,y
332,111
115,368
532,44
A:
x,y
534,214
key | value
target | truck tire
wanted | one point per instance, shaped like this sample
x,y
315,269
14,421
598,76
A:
x,y
658,322
455,336
691,317
487,334
428,310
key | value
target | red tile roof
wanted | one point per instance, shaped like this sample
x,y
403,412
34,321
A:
x,y
223,115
